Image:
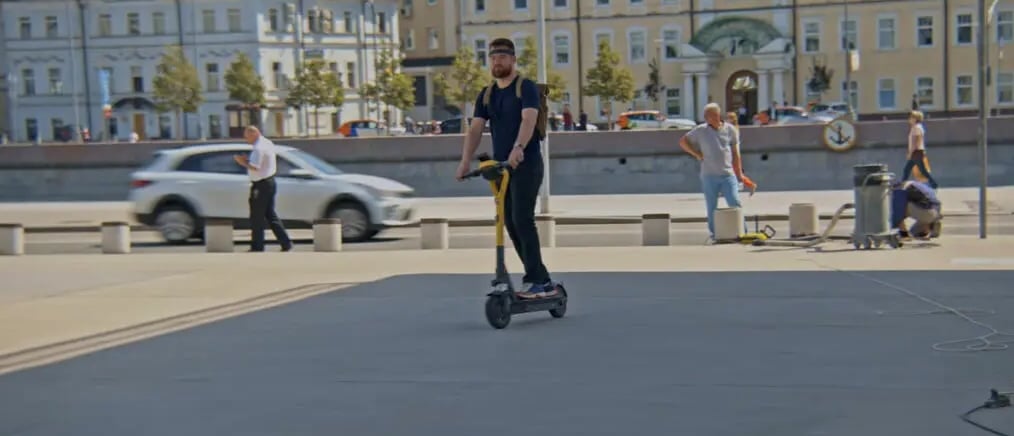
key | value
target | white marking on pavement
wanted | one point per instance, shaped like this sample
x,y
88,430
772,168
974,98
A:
x,y
983,260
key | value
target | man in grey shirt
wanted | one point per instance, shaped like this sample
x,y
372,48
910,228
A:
x,y
716,145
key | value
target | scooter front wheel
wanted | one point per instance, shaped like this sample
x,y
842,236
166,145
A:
x,y
559,312
498,311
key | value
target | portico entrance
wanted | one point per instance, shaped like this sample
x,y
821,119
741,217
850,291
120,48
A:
x,y
740,91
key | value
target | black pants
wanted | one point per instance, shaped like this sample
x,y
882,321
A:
x,y
917,161
519,218
262,213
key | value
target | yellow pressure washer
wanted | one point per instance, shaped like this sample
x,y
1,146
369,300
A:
x,y
503,301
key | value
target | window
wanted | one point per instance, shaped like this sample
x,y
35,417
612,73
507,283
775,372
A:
x,y
213,162
964,90
1005,88
212,77
28,79
480,51
57,125
853,95
215,125
382,22
209,20
137,78
811,37
278,75
133,24
55,81
350,72
520,4
311,21
637,45
234,20
924,32
601,37
105,25
52,28
886,94
434,38
349,27
561,49
885,33
559,3
673,102
849,38
965,30
158,23
480,6
327,21
333,68
409,39
32,128
25,27
924,91
601,2
1005,26
636,2
671,43
273,20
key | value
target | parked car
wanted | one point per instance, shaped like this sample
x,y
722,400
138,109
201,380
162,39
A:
x,y
181,188
651,119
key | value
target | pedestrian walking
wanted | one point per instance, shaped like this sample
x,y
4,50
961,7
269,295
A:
x,y
261,166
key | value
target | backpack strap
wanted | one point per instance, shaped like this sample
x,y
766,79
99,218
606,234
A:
x,y
486,92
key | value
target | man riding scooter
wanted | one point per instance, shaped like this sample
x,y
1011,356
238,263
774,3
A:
x,y
916,200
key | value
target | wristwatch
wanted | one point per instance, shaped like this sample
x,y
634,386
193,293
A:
x,y
519,145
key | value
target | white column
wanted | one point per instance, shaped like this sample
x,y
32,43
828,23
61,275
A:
x,y
778,87
763,95
702,94
689,109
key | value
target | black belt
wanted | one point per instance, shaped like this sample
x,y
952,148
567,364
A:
x,y
266,179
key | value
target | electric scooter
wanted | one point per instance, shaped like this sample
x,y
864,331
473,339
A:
x,y
502,301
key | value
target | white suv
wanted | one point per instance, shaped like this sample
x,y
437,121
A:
x,y
180,188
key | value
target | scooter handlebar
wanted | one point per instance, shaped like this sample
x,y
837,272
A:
x,y
498,166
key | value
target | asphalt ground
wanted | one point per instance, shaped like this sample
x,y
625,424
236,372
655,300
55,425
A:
x,y
752,353
578,235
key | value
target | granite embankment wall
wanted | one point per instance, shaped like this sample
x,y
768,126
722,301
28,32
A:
x,y
777,158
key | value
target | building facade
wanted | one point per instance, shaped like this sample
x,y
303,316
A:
x,y
756,53
61,52
430,38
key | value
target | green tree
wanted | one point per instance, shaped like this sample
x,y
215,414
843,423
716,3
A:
x,y
177,88
654,88
466,80
392,87
245,86
609,80
316,86
528,66
820,79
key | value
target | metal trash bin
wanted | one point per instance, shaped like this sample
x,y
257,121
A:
x,y
872,199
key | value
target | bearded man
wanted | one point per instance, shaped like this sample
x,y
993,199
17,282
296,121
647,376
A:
x,y
512,120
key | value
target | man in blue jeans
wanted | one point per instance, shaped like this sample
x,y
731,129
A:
x,y
512,121
716,145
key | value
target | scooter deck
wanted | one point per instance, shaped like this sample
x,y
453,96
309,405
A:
x,y
524,305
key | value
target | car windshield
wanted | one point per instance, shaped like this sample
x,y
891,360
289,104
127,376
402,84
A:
x,y
316,162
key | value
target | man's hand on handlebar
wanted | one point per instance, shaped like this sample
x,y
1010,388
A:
x,y
462,170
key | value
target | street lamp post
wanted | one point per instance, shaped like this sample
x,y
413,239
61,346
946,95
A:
x,y
12,89
76,131
543,78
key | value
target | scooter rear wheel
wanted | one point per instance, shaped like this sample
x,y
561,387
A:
x,y
498,311
559,312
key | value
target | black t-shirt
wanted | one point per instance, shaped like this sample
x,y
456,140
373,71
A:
x,y
504,115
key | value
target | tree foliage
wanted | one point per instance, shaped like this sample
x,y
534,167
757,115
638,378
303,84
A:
x,y
177,87
528,66
463,85
392,87
244,84
316,86
609,80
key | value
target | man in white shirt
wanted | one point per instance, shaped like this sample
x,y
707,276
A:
x,y
261,166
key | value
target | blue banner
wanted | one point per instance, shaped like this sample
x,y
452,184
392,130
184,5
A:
x,y
104,87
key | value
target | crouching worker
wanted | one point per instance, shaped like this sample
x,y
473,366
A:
x,y
918,201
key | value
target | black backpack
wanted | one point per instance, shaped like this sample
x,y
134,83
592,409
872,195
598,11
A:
x,y
543,118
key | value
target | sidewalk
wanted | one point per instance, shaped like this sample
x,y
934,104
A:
x,y
569,209
59,306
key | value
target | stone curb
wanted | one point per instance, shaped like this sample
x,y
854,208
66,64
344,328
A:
x,y
63,350
481,222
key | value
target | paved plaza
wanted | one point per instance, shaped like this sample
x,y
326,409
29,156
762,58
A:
x,y
718,340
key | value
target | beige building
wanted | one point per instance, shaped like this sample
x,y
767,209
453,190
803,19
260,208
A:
x,y
750,53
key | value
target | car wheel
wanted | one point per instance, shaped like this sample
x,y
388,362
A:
x,y
175,223
355,221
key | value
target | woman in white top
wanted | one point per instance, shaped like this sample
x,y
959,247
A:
x,y
917,148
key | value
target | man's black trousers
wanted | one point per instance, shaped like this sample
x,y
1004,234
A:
x,y
519,214
262,214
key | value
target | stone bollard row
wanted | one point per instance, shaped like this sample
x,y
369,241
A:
x,y
546,226
115,237
434,234
327,235
12,239
655,229
803,220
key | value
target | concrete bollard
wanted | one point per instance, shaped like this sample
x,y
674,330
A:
x,y
218,236
434,233
115,237
655,229
728,224
327,234
803,219
12,239
546,225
